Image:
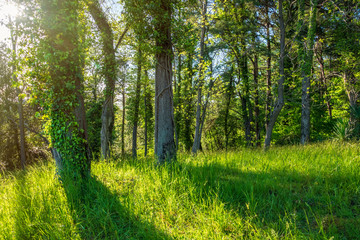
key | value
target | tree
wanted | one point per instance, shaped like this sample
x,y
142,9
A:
x,y
234,23
14,42
9,143
268,64
280,98
148,113
306,66
137,102
165,148
109,71
62,51
199,111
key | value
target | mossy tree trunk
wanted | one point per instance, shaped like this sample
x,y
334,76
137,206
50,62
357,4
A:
x,y
65,101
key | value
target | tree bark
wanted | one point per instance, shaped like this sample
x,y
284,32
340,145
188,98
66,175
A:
x,y
202,120
268,68
197,139
136,106
245,96
123,120
110,69
306,75
188,96
280,100
146,113
229,94
257,109
246,119
178,103
165,148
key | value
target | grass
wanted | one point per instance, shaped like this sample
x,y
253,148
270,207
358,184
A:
x,y
296,192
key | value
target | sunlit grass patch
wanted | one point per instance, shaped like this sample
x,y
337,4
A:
x,y
290,192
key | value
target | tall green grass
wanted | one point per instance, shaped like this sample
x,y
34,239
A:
x,y
296,192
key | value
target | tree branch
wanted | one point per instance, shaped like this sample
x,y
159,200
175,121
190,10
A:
x,y
121,38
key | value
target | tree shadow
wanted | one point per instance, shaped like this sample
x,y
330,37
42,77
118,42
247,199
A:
x,y
98,214
317,205
20,191
53,209
40,211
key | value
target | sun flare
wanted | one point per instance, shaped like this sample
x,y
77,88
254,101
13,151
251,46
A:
x,y
7,11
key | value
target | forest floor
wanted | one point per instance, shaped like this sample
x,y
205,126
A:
x,y
294,192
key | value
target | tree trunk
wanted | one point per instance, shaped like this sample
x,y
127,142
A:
x,y
68,128
323,80
280,100
110,69
165,148
268,68
202,120
22,133
245,97
136,105
123,120
20,103
80,116
246,119
145,114
15,134
178,104
257,110
197,139
188,96
306,75
244,110
227,110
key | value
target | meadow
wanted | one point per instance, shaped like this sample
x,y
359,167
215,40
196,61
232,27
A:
x,y
292,192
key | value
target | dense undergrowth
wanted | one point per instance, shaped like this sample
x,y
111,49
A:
x,y
296,192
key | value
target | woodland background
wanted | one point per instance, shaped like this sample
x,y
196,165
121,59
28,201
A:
x,y
243,73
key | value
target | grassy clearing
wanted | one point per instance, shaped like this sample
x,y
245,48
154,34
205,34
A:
x,y
296,192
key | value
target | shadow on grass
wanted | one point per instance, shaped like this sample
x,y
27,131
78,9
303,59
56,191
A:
x,y
98,214
88,211
21,203
40,211
318,206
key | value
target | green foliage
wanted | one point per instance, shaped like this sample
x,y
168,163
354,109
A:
x,y
9,121
9,154
284,193
342,130
147,110
60,47
60,55
355,123
184,102
93,119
